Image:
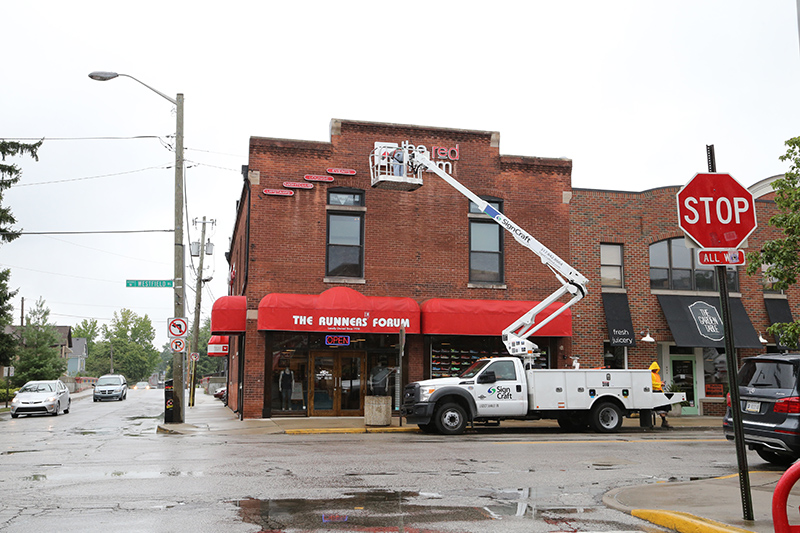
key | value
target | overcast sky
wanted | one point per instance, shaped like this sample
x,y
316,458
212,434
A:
x,y
630,91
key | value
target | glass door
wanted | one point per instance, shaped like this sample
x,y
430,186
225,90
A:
x,y
683,381
335,384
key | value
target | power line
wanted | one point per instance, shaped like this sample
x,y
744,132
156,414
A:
x,y
86,232
80,138
160,167
6,265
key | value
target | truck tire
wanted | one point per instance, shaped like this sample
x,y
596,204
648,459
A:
x,y
606,417
451,419
573,421
430,427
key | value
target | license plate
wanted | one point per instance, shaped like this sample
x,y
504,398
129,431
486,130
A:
x,y
753,407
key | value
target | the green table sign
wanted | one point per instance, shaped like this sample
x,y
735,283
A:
x,y
149,283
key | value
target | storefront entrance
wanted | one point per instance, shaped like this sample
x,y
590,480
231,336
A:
x,y
335,383
683,379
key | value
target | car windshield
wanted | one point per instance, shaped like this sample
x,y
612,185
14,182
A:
x,y
109,381
476,367
38,387
768,375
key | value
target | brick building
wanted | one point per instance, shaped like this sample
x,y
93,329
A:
x,y
325,271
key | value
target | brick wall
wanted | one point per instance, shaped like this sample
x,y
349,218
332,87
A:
x,y
416,244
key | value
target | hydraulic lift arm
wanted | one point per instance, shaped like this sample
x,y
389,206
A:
x,y
415,160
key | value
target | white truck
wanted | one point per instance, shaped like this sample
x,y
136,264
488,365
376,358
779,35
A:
x,y
511,387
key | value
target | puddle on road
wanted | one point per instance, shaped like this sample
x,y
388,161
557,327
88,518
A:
x,y
396,511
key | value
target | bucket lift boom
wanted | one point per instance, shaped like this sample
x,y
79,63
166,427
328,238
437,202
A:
x,y
400,168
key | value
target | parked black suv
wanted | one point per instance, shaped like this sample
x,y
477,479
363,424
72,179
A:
x,y
770,407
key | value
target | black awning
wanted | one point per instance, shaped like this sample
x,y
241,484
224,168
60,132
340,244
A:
x,y
779,313
697,321
778,310
618,319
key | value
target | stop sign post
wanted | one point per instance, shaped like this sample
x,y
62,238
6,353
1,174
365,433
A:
x,y
716,211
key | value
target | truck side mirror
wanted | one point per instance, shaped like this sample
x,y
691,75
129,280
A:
x,y
487,377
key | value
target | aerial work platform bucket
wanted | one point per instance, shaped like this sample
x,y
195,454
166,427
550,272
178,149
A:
x,y
389,168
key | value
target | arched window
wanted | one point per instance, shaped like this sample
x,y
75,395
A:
x,y
674,266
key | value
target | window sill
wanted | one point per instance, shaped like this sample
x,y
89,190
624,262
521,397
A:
x,y
356,281
486,285
671,292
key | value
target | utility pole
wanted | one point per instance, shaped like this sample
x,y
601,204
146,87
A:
x,y
197,298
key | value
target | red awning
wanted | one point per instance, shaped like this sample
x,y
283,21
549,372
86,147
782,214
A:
x,y
338,309
487,317
229,315
218,346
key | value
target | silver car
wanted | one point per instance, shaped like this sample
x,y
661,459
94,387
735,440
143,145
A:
x,y
110,387
41,397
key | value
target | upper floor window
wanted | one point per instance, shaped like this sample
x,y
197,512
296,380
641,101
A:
x,y
345,243
674,266
611,265
768,281
485,245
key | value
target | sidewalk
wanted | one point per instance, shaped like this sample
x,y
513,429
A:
x,y
713,505
209,414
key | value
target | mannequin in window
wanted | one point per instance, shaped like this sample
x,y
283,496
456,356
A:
x,y
285,386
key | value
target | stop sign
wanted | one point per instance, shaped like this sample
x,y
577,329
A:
x,y
716,211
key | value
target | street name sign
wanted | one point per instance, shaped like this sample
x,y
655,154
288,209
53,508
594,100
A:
x,y
710,256
149,283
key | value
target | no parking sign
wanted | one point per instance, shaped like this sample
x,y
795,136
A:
x,y
177,345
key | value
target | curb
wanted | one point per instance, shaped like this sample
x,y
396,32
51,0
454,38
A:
x,y
685,522
350,430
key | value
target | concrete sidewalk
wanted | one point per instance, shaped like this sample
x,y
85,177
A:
x,y
713,505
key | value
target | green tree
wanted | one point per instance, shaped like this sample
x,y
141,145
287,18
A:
x,y
38,355
89,330
129,339
781,257
9,176
207,365
8,341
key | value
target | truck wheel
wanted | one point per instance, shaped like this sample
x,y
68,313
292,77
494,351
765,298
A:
x,y
451,419
427,428
573,422
606,417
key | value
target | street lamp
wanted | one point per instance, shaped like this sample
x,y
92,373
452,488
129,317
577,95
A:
x,y
177,357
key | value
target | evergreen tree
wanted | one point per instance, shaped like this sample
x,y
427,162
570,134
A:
x,y
9,175
8,341
38,355
782,256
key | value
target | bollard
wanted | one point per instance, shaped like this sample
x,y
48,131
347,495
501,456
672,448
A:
x,y
780,497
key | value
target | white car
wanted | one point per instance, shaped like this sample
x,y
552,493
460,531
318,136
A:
x,y
41,397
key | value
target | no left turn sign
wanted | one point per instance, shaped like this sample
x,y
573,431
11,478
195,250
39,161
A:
x,y
177,328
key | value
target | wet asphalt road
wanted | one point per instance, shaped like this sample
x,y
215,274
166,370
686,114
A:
x,y
103,467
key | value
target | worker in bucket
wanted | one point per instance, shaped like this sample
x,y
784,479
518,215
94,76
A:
x,y
658,386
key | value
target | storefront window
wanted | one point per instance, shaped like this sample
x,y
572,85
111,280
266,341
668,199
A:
x,y
613,356
452,355
715,368
290,372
